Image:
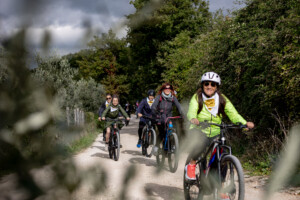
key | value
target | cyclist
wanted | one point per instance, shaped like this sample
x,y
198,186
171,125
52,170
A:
x,y
102,108
128,111
210,105
128,108
162,109
144,109
112,111
137,103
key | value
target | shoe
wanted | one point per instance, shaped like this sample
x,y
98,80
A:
x,y
224,196
139,144
190,172
155,151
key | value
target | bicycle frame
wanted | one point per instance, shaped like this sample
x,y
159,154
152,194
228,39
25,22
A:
x,y
168,132
149,124
213,167
218,149
114,126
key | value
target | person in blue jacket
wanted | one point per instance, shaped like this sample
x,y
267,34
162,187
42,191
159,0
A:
x,y
144,109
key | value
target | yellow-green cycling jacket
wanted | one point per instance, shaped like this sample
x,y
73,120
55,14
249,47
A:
x,y
205,115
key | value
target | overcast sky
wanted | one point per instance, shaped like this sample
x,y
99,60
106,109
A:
x,y
66,19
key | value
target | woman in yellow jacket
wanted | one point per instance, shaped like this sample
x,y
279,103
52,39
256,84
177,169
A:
x,y
210,105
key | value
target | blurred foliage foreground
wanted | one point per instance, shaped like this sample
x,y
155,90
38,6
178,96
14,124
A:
x,y
31,126
259,61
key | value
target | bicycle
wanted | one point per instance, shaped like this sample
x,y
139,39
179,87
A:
x,y
148,136
217,170
114,139
169,146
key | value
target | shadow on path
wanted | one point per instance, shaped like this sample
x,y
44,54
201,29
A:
x,y
133,152
101,155
98,147
143,161
163,191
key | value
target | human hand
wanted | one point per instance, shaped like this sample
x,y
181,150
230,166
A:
x,y
195,121
128,118
140,114
103,118
250,125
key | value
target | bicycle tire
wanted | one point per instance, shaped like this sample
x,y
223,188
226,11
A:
x,y
173,154
144,142
116,151
110,147
230,165
160,157
110,152
193,189
151,141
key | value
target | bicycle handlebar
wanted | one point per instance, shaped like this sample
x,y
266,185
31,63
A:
x,y
114,120
176,117
146,117
223,125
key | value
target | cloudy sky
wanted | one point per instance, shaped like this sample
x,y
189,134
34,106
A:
x,y
67,20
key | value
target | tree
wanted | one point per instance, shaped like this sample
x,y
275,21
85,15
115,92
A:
x,y
107,63
152,25
56,73
256,53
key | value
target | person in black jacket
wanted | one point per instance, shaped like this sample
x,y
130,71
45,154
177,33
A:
x,y
144,109
102,108
162,109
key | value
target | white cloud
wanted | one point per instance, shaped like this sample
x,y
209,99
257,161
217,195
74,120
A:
x,y
65,19
60,35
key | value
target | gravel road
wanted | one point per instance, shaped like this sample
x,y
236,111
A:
x,y
146,183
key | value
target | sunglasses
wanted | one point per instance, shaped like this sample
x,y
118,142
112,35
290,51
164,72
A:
x,y
213,84
108,98
168,88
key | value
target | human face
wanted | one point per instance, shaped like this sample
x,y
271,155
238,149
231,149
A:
x,y
209,88
115,101
151,98
108,98
167,90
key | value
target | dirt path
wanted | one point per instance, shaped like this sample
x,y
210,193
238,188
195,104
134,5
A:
x,y
146,184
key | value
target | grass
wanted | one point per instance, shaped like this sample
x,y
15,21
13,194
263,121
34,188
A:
x,y
260,169
83,142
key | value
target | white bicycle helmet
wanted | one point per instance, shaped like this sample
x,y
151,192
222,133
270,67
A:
x,y
211,76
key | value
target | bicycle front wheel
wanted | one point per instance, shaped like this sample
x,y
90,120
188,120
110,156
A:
x,y
160,156
151,141
116,146
173,153
232,178
144,142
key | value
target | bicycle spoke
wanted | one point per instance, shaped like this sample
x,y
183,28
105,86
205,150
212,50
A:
x,y
173,152
232,178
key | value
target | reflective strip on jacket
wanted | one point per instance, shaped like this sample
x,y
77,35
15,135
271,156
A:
x,y
205,115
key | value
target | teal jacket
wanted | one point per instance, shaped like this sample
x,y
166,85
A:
x,y
204,115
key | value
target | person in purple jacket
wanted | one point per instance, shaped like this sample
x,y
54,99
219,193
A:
x,y
144,109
